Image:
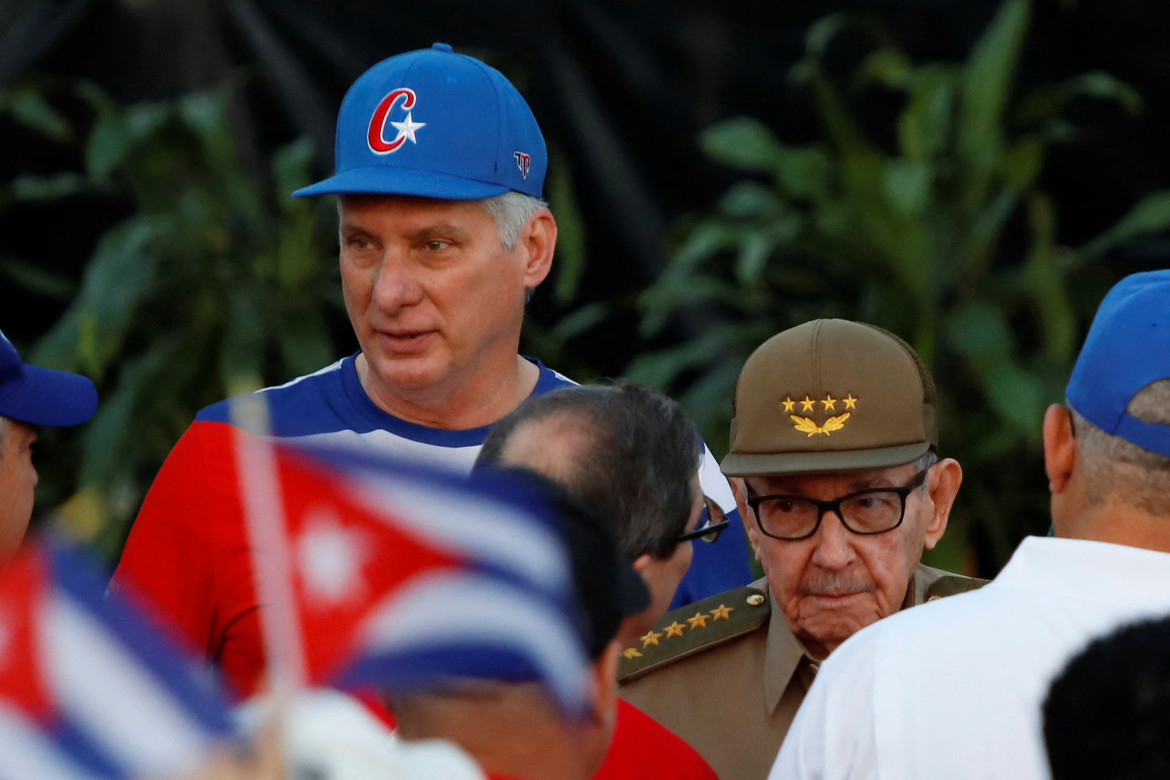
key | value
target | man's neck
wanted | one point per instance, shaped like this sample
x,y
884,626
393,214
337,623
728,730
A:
x,y
1117,523
470,405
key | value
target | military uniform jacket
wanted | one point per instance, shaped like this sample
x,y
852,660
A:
x,y
727,679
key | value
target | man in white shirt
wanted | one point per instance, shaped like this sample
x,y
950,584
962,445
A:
x,y
953,690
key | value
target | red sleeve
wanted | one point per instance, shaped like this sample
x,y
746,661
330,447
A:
x,y
187,555
644,748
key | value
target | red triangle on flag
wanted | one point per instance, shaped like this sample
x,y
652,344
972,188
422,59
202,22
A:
x,y
347,559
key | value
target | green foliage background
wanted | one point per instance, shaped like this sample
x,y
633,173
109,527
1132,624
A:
x,y
211,280
944,236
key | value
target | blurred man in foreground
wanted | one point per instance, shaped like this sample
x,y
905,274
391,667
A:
x,y
629,454
835,471
30,396
954,689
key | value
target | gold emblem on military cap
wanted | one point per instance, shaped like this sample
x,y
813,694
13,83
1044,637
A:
x,y
808,425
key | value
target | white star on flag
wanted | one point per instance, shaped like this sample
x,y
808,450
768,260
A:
x,y
330,559
406,129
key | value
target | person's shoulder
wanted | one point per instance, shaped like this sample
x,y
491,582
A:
x,y
294,400
696,628
933,584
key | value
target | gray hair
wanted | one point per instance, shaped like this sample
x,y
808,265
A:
x,y
925,461
1117,467
511,211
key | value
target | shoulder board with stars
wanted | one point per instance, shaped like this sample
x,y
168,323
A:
x,y
696,627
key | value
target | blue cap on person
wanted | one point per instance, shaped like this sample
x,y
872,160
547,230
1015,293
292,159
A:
x,y
1127,348
437,124
42,396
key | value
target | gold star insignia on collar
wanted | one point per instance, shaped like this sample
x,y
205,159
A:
x,y
650,638
698,621
631,652
721,612
850,402
808,404
789,404
674,629
830,402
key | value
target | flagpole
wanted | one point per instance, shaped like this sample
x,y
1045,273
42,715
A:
x,y
268,537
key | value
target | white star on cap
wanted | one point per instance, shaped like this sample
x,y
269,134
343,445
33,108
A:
x,y
406,129
330,559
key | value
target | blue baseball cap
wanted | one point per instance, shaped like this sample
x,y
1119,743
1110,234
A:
x,y
1127,348
436,124
42,396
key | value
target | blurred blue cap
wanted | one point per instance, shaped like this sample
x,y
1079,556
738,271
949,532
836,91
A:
x,y
1127,348
42,396
436,124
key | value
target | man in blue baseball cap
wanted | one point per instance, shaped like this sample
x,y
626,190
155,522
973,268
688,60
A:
x,y
954,689
440,168
30,396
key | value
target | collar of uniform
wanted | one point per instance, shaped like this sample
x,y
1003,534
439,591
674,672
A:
x,y
782,655
915,591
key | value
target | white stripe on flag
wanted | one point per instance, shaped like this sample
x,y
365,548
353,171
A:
x,y
447,607
116,701
478,527
28,753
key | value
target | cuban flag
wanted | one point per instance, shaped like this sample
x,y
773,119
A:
x,y
88,687
402,575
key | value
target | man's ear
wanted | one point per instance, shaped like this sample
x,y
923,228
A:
x,y
604,671
1060,447
739,490
943,484
539,238
641,563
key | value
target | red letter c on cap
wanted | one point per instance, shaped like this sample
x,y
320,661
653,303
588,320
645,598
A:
x,y
378,120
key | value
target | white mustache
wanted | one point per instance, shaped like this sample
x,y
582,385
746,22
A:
x,y
838,584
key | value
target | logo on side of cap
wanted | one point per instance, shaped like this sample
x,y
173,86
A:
x,y
808,425
523,162
376,134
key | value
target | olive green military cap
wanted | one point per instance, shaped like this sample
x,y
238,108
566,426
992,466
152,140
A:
x,y
830,395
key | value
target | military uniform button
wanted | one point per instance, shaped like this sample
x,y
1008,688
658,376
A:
x,y
755,599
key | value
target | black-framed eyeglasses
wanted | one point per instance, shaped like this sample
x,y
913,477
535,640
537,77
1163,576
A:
x,y
865,512
710,525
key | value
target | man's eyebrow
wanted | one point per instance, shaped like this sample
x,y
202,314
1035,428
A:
x,y
346,227
780,488
438,230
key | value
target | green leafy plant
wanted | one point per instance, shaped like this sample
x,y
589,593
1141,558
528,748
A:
x,y
944,235
215,282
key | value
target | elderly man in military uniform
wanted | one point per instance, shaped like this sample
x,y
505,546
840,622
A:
x,y
834,465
